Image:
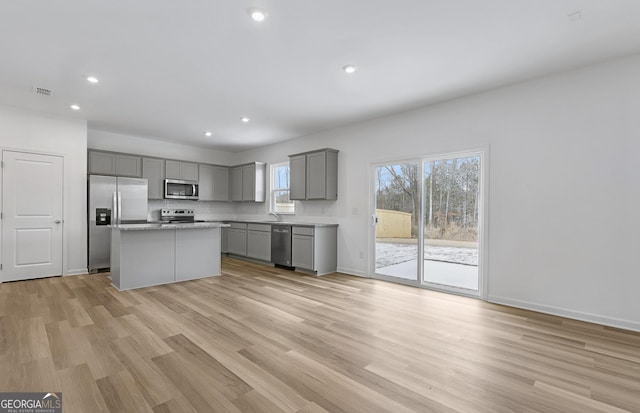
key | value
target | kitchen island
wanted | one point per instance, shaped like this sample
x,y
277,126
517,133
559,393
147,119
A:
x,y
144,255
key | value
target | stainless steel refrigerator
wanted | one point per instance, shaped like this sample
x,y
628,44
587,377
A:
x,y
112,201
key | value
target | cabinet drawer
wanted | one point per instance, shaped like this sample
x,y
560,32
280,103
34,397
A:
x,y
238,225
302,230
259,227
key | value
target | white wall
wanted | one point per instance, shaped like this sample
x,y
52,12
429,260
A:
x,y
564,188
33,131
118,142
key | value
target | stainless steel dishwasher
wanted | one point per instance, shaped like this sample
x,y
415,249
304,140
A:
x,y
281,245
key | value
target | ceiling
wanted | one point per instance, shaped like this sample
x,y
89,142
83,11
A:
x,y
171,70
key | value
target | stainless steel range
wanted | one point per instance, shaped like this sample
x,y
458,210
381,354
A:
x,y
178,216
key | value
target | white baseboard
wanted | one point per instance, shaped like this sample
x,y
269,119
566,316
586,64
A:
x,y
564,312
349,271
81,271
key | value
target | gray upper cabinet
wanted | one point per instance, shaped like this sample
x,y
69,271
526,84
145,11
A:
x,y
214,182
298,177
206,182
314,175
220,183
235,181
102,163
248,182
129,165
153,171
186,171
114,164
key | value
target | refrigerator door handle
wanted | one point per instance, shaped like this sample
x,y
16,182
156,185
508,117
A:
x,y
115,218
119,208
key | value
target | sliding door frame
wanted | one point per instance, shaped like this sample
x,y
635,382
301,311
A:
x,y
483,217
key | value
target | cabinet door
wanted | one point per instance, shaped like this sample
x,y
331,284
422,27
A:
x,y
102,163
189,171
220,183
172,169
237,241
298,177
302,251
316,175
206,173
236,183
129,165
249,183
223,240
153,172
259,245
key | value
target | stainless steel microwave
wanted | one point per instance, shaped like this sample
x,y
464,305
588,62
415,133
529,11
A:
x,y
179,189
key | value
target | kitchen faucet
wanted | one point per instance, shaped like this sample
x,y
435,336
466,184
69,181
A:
x,y
278,217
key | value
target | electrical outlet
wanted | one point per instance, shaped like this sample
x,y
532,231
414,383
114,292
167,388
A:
x,y
361,255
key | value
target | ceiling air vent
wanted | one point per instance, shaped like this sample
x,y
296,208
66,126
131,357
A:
x,y
42,91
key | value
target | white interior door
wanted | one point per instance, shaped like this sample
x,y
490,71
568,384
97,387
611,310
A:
x,y
32,193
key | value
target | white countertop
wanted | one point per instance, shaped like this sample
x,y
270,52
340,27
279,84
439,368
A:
x,y
147,227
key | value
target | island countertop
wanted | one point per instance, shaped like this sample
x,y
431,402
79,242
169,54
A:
x,y
182,225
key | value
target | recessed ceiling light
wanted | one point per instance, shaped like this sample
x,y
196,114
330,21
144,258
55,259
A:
x,y
245,119
207,133
257,15
92,79
349,69
74,107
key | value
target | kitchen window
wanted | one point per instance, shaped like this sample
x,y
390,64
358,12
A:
x,y
280,178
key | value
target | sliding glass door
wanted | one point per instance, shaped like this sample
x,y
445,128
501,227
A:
x,y
451,204
397,206
427,219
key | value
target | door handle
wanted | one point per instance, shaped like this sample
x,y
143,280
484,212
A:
x,y
57,221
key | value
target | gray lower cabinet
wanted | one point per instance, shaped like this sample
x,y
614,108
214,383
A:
x,y
259,241
314,249
153,172
302,251
237,239
114,164
314,175
186,171
223,241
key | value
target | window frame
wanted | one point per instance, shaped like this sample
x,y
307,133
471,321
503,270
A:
x,y
273,190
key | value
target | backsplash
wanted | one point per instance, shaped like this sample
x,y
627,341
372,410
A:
x,y
313,211
203,209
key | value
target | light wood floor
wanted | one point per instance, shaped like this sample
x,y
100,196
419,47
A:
x,y
266,340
